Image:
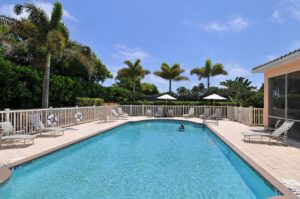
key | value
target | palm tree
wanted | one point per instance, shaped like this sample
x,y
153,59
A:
x,y
171,73
209,71
134,72
239,89
50,36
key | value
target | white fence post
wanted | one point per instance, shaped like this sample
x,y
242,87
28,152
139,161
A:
x,y
94,108
6,114
250,116
131,109
143,110
77,108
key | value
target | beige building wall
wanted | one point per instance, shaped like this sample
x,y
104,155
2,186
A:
x,y
284,68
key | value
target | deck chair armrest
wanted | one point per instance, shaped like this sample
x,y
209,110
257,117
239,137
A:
x,y
20,131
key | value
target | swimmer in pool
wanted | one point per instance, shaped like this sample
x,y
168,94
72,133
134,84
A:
x,y
181,127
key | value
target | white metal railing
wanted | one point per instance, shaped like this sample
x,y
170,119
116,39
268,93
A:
x,y
178,110
21,118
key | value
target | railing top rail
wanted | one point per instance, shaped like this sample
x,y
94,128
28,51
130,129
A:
x,y
46,109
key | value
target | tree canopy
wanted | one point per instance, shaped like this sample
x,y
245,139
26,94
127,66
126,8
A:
x,y
171,73
209,70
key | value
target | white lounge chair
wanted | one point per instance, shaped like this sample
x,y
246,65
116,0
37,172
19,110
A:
x,y
9,134
277,125
160,112
217,115
117,116
40,127
120,112
206,113
191,113
148,113
279,134
170,113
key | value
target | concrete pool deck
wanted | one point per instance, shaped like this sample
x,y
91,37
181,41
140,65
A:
x,y
281,162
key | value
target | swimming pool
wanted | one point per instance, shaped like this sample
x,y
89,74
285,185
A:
x,y
149,159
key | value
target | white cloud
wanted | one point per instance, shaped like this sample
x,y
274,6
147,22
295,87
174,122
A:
x,y
8,10
125,53
286,9
237,70
238,24
217,27
233,25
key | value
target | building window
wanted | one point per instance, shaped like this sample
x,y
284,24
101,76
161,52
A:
x,y
293,98
277,96
282,106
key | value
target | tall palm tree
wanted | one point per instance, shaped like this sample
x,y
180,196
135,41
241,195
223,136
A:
x,y
50,36
171,73
134,72
208,71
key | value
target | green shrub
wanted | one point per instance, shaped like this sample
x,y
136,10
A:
x,y
116,94
20,86
84,101
256,100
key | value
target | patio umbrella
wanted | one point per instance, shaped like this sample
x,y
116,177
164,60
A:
x,y
166,97
214,97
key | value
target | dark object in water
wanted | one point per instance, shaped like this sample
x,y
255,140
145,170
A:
x,y
181,127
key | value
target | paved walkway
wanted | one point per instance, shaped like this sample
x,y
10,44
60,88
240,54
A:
x,y
282,162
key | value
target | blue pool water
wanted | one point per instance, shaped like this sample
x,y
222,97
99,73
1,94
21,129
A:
x,y
140,160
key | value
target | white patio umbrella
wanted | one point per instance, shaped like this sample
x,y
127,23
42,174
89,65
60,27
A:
x,y
214,97
166,97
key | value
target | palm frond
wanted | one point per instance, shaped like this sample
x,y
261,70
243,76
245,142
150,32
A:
x,y
56,16
137,63
36,16
181,78
18,9
218,69
123,73
128,63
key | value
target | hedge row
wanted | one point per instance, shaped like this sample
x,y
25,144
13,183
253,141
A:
x,y
192,103
84,101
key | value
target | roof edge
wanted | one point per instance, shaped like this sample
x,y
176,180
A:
x,y
275,62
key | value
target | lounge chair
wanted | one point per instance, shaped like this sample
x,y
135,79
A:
x,y
277,125
217,115
9,134
191,113
205,114
117,116
160,112
120,112
170,113
148,113
279,134
40,127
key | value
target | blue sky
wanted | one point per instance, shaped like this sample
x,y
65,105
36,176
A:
x,y
238,33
